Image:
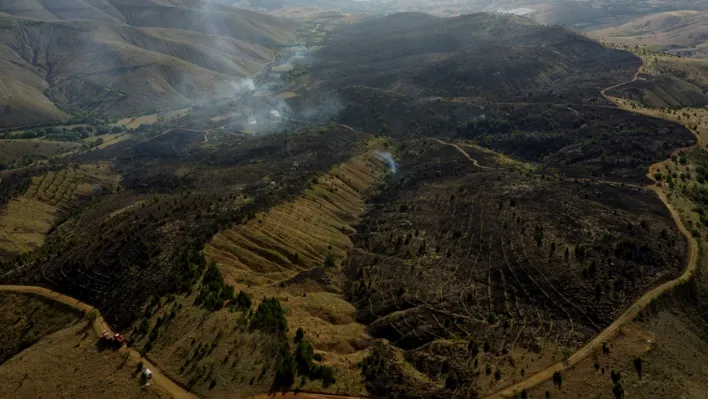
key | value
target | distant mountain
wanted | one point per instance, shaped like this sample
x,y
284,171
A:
x,y
684,32
122,57
478,55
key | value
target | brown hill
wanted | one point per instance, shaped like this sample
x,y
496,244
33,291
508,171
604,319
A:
x,y
26,319
176,53
684,32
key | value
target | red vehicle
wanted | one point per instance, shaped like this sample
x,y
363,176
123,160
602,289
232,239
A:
x,y
120,339
116,338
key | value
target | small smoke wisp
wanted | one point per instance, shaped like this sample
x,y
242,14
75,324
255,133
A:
x,y
388,158
242,86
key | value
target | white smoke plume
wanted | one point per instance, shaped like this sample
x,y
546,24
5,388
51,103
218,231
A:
x,y
388,158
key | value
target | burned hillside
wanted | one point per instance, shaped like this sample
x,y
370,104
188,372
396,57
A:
x,y
577,140
491,56
146,239
496,255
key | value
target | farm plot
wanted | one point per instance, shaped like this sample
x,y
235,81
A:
x,y
26,220
496,271
136,121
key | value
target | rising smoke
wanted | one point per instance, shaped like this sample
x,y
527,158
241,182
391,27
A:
x,y
388,158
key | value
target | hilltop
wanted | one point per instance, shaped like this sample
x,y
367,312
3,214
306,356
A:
x,y
478,55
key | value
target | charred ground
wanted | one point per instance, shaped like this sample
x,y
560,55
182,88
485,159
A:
x,y
514,227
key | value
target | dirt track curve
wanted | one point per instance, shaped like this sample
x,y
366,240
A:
x,y
463,152
608,333
99,325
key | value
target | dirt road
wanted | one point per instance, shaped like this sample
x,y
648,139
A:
x,y
463,152
99,325
608,333
306,395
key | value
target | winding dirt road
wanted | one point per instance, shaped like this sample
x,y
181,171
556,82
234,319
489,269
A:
x,y
608,333
463,152
100,325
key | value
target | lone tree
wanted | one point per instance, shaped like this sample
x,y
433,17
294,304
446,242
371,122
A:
x,y
618,391
616,376
557,379
299,335
473,348
638,366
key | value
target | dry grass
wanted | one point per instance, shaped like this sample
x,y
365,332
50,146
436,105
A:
x,y
136,121
12,152
286,95
675,31
71,364
26,319
234,359
282,254
314,225
26,220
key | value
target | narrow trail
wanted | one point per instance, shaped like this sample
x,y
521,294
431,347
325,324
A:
x,y
463,152
315,123
100,325
306,395
628,315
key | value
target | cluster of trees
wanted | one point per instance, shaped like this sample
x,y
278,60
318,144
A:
x,y
270,317
76,133
301,363
214,294
297,71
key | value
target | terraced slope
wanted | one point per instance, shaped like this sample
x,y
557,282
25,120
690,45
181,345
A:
x,y
25,220
292,252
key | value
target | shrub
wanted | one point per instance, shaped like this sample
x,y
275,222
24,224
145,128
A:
x,y
638,366
327,374
330,261
243,301
299,335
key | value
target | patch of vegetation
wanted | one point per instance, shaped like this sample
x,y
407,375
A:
x,y
294,74
214,292
270,317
